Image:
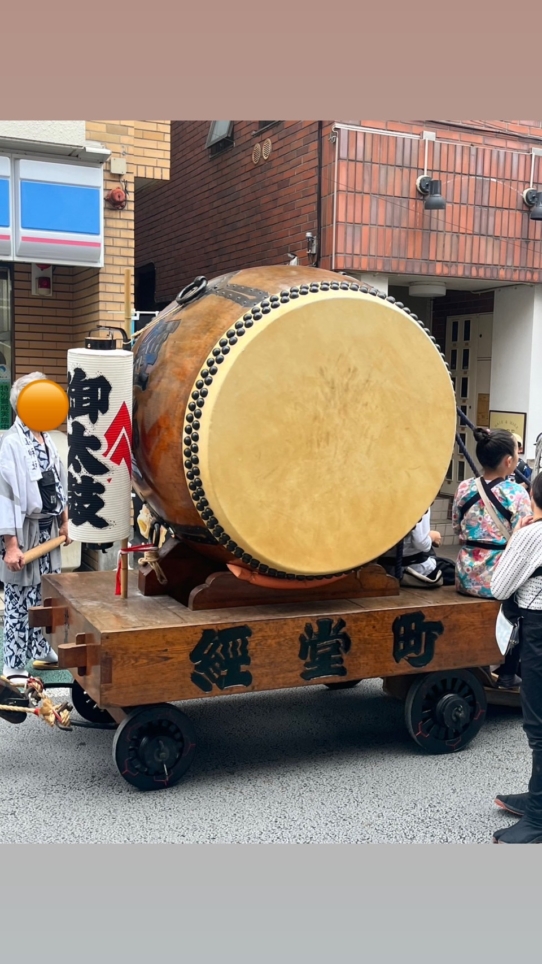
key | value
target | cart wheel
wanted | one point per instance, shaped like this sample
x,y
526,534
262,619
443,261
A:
x,y
444,711
154,746
346,684
87,708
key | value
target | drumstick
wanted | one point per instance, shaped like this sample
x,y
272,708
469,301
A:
x,y
42,550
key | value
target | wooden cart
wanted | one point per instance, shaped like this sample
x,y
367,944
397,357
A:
x,y
131,657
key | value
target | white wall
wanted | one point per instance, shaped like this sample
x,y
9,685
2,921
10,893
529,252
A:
x,y
379,281
516,385
52,132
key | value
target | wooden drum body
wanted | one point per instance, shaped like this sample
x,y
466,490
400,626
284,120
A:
x,y
290,420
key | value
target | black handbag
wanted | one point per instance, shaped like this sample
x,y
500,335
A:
x,y
510,609
48,493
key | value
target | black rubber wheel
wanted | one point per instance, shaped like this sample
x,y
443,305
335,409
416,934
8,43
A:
x,y
11,695
444,711
154,746
87,708
346,684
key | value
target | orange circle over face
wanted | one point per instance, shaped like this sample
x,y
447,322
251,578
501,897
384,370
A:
x,y
43,405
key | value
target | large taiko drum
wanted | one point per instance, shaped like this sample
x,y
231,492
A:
x,y
290,419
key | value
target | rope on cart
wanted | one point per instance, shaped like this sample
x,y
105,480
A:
x,y
151,558
40,704
62,710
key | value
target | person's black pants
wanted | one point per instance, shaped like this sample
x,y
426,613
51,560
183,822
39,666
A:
x,y
530,648
510,667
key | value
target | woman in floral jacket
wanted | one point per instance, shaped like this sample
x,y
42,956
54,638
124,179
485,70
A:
x,y
481,541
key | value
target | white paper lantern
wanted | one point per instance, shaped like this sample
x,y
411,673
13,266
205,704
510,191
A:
x,y
99,444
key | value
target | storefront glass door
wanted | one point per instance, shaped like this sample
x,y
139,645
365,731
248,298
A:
x,y
468,353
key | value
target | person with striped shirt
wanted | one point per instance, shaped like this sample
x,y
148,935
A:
x,y
519,574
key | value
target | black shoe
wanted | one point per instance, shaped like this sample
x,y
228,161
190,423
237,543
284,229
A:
x,y
508,682
524,831
528,830
514,803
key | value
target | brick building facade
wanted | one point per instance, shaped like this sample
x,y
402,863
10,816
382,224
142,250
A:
x,y
42,329
353,186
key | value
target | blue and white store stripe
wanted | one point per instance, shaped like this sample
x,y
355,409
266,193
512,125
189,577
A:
x,y
51,212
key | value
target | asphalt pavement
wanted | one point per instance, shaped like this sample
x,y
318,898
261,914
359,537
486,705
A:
x,y
294,766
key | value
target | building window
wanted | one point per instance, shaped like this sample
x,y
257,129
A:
x,y
464,388
466,330
466,357
220,137
265,125
455,330
460,471
453,360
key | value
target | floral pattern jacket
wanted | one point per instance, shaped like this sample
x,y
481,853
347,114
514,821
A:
x,y
481,541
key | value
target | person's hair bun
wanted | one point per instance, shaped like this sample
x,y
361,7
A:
x,y
482,435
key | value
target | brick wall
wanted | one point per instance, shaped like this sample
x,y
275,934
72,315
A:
x,y
221,213
224,212
43,326
485,231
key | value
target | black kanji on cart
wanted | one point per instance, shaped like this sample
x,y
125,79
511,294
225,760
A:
x,y
220,657
414,639
322,650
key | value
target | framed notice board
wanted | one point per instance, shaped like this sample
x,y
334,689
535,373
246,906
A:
x,y
513,421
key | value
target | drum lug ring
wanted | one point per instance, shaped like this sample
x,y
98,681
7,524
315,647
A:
x,y
194,290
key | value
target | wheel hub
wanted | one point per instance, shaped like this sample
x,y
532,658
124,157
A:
x,y
159,752
453,711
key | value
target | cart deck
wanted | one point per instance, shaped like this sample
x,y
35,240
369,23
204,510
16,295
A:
x,y
132,657
142,650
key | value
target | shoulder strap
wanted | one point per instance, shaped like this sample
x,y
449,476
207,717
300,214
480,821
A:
x,y
463,509
500,525
500,508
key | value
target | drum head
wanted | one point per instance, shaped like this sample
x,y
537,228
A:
x,y
325,433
